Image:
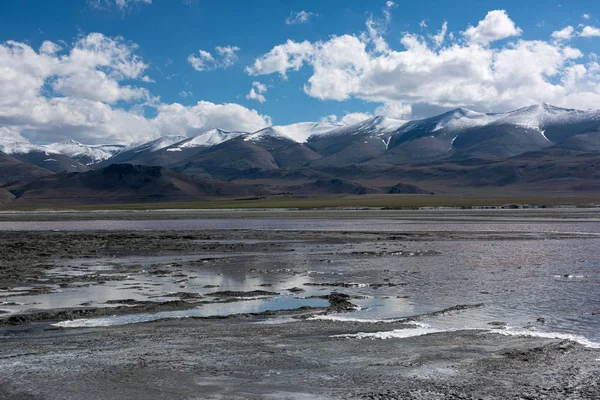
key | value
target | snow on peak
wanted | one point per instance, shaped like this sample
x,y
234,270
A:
x,y
381,124
159,143
263,134
209,138
538,116
21,147
74,149
461,118
301,131
377,125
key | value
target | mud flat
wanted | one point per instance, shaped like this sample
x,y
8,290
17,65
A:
x,y
258,313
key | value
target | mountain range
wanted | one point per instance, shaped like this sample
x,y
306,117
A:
x,y
460,150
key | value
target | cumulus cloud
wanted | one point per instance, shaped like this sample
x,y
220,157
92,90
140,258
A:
x,y
394,110
569,33
441,35
495,26
202,62
472,73
11,134
290,55
176,119
354,118
227,55
55,94
49,47
205,61
300,17
590,31
347,119
257,92
93,69
564,34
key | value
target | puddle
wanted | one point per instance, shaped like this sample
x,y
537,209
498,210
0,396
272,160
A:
x,y
208,310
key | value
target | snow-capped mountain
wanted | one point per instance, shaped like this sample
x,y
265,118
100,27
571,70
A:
x,y
206,139
354,143
541,116
265,134
85,154
138,151
300,132
456,134
156,144
377,126
41,156
12,147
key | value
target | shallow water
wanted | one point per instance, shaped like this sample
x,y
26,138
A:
x,y
423,224
535,285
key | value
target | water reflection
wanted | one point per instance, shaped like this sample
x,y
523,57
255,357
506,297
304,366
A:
x,y
520,282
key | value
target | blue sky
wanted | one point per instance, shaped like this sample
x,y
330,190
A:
x,y
356,59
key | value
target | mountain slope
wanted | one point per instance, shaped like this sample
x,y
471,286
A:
x,y
266,149
137,154
353,143
464,133
123,183
12,170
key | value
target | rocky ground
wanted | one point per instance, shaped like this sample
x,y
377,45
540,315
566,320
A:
x,y
246,358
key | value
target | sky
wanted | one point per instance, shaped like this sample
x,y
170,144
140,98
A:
x,y
124,71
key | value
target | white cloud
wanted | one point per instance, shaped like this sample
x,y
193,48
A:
x,y
228,55
495,26
98,86
7,133
290,55
257,92
122,5
347,119
390,4
590,31
92,69
394,110
569,32
354,118
127,3
205,61
441,35
471,73
49,48
202,62
54,94
176,119
586,16
564,34
185,94
300,17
